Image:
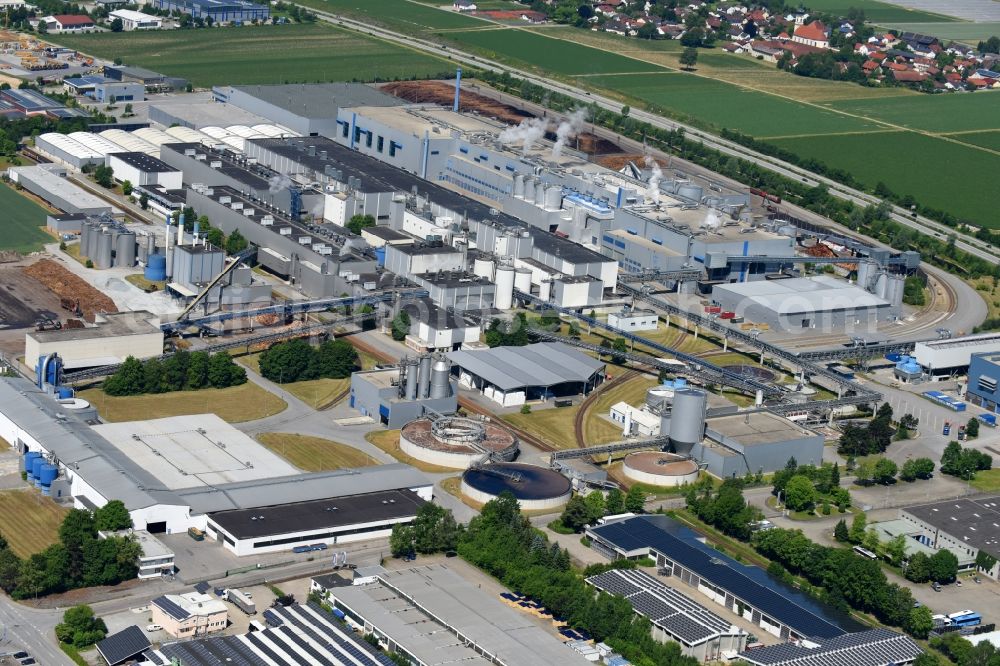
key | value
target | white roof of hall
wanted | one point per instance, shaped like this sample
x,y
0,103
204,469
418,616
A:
x,y
187,135
540,364
71,146
154,136
216,132
96,142
816,294
130,142
245,132
273,131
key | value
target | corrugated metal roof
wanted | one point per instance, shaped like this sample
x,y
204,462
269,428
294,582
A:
x,y
796,295
540,364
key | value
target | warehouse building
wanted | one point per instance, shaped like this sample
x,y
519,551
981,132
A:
x,y
942,359
67,150
385,396
798,304
219,11
458,290
140,169
310,110
171,474
513,376
152,81
49,182
433,328
739,444
113,338
748,591
965,526
983,388
133,20
674,617
30,102
875,647
66,223
424,257
436,617
293,635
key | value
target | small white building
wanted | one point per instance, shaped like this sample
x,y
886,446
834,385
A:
x,y
133,20
112,339
433,328
142,169
156,560
68,23
634,320
638,421
577,291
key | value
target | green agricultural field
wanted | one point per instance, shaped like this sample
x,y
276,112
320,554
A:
x,y
729,106
948,189
22,222
398,13
961,31
260,54
932,113
990,139
559,56
877,12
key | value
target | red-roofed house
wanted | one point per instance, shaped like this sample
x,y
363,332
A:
x,y
68,23
870,66
812,34
909,76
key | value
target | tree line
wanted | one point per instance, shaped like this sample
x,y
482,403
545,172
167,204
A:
x,y
584,510
964,462
79,559
941,567
297,360
182,371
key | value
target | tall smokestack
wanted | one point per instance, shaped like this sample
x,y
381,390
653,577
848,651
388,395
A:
x,y
170,264
180,230
458,87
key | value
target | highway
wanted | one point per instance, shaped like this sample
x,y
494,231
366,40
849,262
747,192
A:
x,y
899,214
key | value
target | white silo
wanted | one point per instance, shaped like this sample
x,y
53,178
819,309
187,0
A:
x,y
440,379
504,299
881,285
687,419
553,197
519,185
483,267
540,194
522,280
545,289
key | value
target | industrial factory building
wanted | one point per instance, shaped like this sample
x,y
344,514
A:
x,y
113,338
140,169
746,590
512,376
942,359
437,617
739,444
983,388
965,526
794,304
874,647
219,11
396,396
49,182
433,328
172,474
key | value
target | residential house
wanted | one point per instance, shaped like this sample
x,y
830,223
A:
x,y
464,6
189,615
68,23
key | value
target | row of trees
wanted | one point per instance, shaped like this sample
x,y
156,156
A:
x,y
79,559
183,371
583,510
508,334
297,360
874,437
434,530
964,462
942,566
725,509
961,652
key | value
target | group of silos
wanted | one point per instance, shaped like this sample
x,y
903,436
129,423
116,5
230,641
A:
x,y
507,279
425,377
107,244
885,285
532,189
40,472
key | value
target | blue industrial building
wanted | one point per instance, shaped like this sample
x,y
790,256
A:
x,y
220,11
745,590
984,373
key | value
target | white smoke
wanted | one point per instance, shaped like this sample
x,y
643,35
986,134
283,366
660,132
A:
x,y
567,128
278,182
711,220
528,132
653,191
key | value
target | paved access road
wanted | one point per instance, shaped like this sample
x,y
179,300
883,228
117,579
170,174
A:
x,y
33,630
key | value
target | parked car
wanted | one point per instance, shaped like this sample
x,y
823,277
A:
x,y
153,627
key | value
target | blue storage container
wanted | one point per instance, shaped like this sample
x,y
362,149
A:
x,y
48,474
36,471
380,255
29,457
64,392
156,268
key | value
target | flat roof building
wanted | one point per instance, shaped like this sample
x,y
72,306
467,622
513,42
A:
x,y
674,617
436,617
381,395
944,358
742,589
133,20
965,526
515,375
875,647
220,11
189,615
983,388
738,444
433,328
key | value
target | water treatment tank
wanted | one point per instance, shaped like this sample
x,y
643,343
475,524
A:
x,y
102,252
125,250
156,268
519,185
49,472
522,280
504,298
440,379
425,376
553,197
411,379
36,470
29,458
687,419
483,267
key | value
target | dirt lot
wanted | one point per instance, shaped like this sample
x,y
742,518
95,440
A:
x,y
66,285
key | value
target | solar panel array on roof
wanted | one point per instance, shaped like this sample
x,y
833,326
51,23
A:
x,y
876,647
170,608
127,643
748,584
686,620
298,636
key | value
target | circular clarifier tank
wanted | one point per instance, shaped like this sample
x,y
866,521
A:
x,y
536,488
655,468
456,442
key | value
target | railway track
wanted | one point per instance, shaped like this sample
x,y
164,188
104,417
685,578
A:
x,y
581,415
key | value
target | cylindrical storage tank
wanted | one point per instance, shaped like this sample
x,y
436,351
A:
x,y
687,419
553,197
86,234
412,368
519,185
425,376
529,189
456,442
522,280
483,267
536,488
894,292
102,253
864,274
440,379
64,393
48,474
504,298
539,194
36,470
656,468
125,250
156,268
29,458
659,397
544,289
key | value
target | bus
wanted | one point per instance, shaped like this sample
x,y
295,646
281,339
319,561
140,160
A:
x,y
864,552
965,618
